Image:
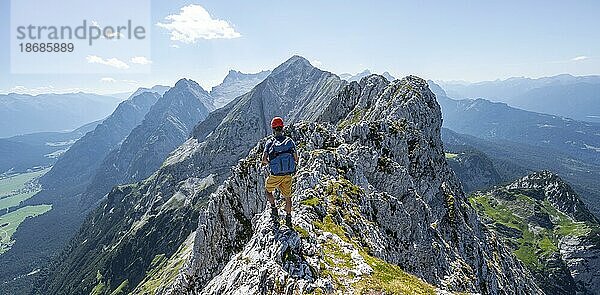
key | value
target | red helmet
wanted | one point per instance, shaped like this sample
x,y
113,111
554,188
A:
x,y
276,122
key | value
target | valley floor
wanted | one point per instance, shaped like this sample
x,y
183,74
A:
x,y
13,191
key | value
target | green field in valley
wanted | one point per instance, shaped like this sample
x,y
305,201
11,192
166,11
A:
x,y
18,181
14,190
10,221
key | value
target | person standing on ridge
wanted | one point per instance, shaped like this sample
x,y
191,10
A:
x,y
281,156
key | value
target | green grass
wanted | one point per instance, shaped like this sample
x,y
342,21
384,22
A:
x,y
390,279
9,184
386,278
100,286
310,202
13,189
10,221
497,212
566,226
121,288
451,155
163,270
15,200
355,117
533,247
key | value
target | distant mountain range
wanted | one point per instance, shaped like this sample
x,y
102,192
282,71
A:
x,y
38,149
564,95
365,73
167,125
22,114
489,120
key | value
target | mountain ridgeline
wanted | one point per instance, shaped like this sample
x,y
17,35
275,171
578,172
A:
x,y
23,114
376,206
562,95
162,211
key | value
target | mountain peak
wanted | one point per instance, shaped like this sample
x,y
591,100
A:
x,y
184,82
294,61
191,86
234,75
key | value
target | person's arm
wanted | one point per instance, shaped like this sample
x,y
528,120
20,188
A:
x,y
265,154
295,152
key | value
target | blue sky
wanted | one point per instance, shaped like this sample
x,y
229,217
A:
x,y
440,40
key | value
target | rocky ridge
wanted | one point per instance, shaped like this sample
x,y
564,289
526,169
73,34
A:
x,y
374,200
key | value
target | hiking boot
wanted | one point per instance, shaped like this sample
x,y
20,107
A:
x,y
275,216
288,220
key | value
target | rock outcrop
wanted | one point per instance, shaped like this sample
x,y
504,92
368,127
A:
x,y
549,229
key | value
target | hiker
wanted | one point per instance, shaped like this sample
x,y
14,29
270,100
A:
x,y
280,154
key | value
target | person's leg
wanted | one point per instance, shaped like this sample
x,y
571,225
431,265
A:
x,y
270,185
286,191
288,204
270,198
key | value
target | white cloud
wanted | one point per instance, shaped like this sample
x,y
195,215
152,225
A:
x,y
193,23
174,46
108,80
579,58
316,63
113,62
140,60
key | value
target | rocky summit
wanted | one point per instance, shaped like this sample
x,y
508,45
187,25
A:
x,y
549,229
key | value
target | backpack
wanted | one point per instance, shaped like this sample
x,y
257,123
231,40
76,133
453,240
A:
x,y
281,156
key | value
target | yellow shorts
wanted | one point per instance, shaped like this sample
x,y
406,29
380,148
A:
x,y
282,182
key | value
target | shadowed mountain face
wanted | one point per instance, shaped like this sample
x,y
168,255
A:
x,y
550,230
384,156
23,114
563,95
166,126
76,166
